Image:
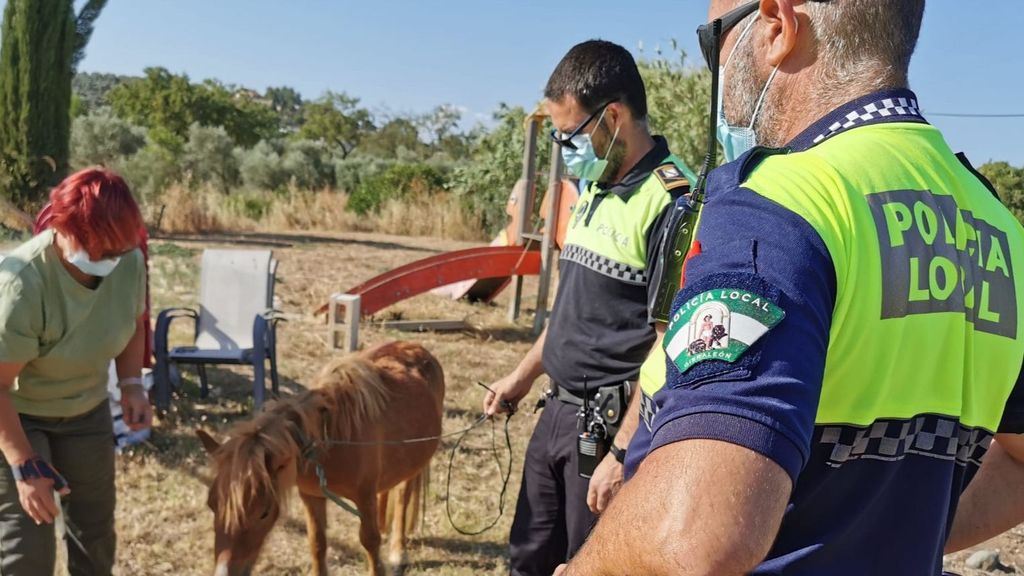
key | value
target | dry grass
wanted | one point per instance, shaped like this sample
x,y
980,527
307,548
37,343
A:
x,y
310,210
187,211
437,215
163,522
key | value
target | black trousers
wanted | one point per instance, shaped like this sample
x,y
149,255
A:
x,y
552,519
82,450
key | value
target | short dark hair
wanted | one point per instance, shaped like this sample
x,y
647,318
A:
x,y
596,72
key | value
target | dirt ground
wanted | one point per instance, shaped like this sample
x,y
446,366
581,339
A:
x,y
163,523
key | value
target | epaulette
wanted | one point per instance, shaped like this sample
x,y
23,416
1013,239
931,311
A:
x,y
671,177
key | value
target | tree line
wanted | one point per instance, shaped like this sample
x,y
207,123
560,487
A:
x,y
163,128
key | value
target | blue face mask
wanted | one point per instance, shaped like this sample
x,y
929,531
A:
x,y
736,141
583,161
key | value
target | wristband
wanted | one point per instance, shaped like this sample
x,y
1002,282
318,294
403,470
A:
x,y
35,467
619,453
135,381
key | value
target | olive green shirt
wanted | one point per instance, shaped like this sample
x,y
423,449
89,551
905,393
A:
x,y
66,334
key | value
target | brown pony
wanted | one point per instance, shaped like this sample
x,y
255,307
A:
x,y
393,391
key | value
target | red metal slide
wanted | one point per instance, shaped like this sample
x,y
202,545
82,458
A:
x,y
444,269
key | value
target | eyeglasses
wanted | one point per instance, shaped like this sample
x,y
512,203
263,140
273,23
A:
x,y
729,20
565,140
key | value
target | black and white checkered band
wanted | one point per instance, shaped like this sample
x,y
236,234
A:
x,y
648,409
604,265
884,108
928,435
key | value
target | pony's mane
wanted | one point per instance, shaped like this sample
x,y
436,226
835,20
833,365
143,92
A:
x,y
347,394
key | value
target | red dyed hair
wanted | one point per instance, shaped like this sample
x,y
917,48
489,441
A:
x,y
95,207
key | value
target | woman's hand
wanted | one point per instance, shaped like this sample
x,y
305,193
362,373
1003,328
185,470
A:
x,y
36,496
38,480
138,413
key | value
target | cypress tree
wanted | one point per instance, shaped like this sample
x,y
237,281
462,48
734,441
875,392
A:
x,y
35,97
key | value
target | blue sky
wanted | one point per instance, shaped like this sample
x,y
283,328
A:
x,y
408,56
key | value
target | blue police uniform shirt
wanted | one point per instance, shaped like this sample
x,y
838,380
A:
x,y
752,243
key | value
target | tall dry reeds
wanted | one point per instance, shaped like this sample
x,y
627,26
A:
x,y
185,211
439,215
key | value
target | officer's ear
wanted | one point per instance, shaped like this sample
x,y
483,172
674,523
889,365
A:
x,y
781,25
618,115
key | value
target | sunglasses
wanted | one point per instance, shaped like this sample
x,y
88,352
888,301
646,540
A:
x,y
729,20
565,140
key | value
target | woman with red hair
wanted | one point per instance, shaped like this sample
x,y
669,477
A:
x,y
72,299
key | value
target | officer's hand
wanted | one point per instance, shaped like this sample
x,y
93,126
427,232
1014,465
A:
x,y
561,568
504,393
604,483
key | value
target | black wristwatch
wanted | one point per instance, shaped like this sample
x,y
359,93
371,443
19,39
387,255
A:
x,y
619,453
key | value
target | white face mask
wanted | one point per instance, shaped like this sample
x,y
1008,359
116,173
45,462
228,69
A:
x,y
101,268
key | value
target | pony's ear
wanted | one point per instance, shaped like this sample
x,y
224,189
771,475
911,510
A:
x,y
208,442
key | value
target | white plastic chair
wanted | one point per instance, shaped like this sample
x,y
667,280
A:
x,y
235,323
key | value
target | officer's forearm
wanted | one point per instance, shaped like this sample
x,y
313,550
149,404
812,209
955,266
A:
x,y
630,420
696,507
994,501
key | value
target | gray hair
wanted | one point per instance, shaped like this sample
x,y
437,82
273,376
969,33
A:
x,y
865,43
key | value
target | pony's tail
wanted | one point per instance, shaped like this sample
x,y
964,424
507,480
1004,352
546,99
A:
x,y
406,508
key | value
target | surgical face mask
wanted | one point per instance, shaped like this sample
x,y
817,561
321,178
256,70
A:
x,y
736,141
80,259
583,161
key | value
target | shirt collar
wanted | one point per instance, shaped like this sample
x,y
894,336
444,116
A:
x,y
640,172
877,108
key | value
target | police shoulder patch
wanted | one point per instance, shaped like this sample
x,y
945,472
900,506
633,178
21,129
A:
x,y
719,324
671,177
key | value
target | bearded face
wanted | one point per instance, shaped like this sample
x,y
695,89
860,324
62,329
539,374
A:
x,y
745,78
616,155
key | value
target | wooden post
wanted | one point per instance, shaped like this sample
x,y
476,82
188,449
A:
x,y
547,246
525,205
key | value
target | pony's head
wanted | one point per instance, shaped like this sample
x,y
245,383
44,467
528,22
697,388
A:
x,y
255,470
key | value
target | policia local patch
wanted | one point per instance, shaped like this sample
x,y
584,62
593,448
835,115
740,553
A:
x,y
719,324
937,257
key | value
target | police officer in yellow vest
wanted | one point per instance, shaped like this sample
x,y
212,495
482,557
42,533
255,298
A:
x,y
844,391
600,329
